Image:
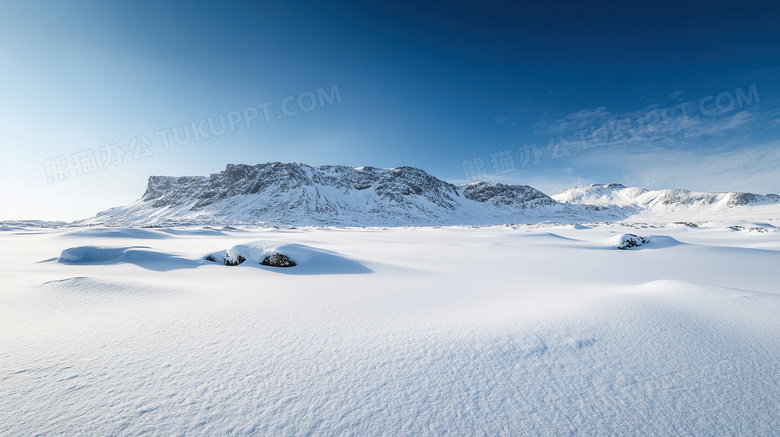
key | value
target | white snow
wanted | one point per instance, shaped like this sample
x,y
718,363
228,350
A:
x,y
505,330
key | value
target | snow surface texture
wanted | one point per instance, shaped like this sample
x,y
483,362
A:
x,y
301,195
506,330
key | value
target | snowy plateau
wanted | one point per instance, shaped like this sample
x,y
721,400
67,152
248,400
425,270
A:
x,y
402,305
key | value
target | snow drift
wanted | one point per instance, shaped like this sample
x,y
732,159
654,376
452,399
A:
x,y
293,258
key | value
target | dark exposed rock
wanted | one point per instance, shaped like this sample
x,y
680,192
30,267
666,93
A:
x,y
278,260
234,262
630,240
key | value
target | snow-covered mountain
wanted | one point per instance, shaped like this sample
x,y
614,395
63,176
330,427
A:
x,y
673,202
300,194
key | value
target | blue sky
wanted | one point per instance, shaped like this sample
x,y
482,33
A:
x,y
550,94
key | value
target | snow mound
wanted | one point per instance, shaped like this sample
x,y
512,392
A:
x,y
141,233
661,241
632,241
108,232
305,259
141,256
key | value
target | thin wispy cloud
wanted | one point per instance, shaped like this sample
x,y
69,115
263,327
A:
x,y
740,169
524,114
765,71
711,143
709,122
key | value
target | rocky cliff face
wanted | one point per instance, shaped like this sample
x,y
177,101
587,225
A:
x,y
399,186
512,196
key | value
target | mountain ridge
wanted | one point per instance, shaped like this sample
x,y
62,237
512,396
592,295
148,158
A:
x,y
334,195
618,194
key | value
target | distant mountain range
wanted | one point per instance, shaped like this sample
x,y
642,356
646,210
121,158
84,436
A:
x,y
332,195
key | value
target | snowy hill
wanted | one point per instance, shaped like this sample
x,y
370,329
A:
x,y
332,195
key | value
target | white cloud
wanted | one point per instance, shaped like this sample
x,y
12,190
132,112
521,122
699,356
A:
x,y
675,94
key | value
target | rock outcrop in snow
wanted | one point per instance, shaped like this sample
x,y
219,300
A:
x,y
627,241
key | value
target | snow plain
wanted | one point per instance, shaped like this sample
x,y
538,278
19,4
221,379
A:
x,y
503,330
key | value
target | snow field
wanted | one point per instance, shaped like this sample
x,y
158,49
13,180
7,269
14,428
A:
x,y
542,330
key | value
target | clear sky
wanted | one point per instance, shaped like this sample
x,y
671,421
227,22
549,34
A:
x,y
96,96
